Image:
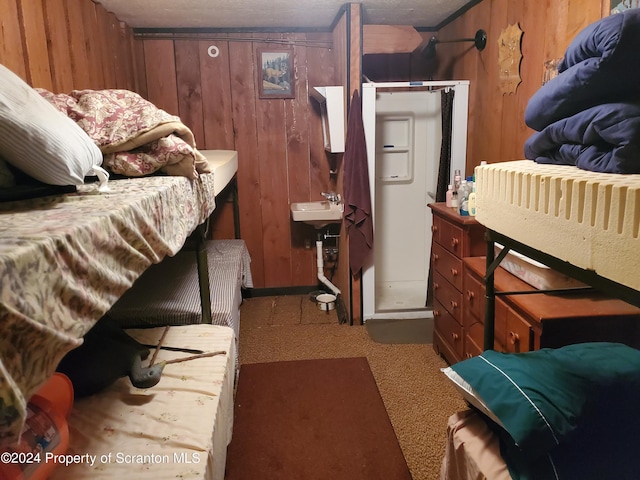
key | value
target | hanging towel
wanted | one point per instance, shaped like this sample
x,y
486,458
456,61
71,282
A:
x,y
357,196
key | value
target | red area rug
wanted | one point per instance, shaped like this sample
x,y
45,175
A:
x,y
312,420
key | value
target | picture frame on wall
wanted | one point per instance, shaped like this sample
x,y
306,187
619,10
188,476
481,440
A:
x,y
275,70
616,6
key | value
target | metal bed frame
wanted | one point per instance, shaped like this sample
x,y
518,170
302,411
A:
x,y
588,277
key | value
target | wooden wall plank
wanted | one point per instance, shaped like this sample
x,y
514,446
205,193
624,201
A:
x,y
510,101
93,49
57,30
115,39
160,70
35,42
12,54
390,39
217,121
77,45
126,45
216,95
242,72
139,67
297,118
272,158
108,64
189,87
352,295
62,45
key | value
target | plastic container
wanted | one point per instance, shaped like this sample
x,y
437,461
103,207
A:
x,y
45,432
449,196
326,302
472,202
463,198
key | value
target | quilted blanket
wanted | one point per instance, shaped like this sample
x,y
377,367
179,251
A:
x,y
136,137
588,115
604,138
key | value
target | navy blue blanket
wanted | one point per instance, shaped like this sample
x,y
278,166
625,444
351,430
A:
x,y
604,138
587,115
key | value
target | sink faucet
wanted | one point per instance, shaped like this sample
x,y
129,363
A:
x,y
332,197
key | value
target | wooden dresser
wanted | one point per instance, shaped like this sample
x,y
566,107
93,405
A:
x,y
454,238
534,321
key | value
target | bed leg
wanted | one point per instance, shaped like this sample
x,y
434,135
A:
x,y
490,296
202,262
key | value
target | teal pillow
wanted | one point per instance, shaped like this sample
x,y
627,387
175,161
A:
x,y
546,397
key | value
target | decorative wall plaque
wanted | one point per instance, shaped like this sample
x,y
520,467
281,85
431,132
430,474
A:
x,y
509,58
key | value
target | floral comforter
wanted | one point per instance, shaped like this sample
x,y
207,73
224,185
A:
x,y
66,259
136,137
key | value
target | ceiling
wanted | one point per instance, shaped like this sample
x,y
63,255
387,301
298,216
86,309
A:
x,y
278,14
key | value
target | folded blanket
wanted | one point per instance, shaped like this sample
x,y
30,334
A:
x,y
601,65
604,138
136,137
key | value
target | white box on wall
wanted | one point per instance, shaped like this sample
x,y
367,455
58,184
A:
x,y
331,101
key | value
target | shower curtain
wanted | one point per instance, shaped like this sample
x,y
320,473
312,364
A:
x,y
444,167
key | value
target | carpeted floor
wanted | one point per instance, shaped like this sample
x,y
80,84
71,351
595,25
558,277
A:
x,y
416,395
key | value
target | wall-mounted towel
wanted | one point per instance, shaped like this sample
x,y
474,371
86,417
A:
x,y
357,195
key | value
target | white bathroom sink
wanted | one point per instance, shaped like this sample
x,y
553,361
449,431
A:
x,y
318,213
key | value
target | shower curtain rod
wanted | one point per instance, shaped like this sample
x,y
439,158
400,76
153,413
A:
x,y
479,41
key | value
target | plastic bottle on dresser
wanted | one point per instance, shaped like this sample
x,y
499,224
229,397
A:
x,y
463,198
456,180
449,196
472,201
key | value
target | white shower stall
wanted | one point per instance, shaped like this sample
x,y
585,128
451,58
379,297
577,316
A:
x,y
403,131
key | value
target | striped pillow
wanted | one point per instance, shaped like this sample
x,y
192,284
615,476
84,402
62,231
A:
x,y
40,140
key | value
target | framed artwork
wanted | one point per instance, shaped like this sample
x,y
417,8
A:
x,y
616,6
275,70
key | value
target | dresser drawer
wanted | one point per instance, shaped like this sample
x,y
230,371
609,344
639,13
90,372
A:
x,y
519,333
447,265
471,346
453,238
448,296
450,330
474,336
473,296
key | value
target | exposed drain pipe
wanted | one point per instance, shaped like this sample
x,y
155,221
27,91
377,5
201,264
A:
x,y
320,263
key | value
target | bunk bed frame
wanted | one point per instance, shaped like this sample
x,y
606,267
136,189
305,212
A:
x,y
588,277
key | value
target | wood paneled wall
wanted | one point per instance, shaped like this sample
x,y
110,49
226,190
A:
x,y
497,131
279,141
62,45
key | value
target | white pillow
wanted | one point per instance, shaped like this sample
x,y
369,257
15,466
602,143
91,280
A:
x,y
40,140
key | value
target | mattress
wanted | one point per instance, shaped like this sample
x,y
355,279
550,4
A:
x,y
180,428
535,273
588,219
153,301
66,259
224,164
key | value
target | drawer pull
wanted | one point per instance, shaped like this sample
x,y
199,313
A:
x,y
436,286
514,337
455,336
454,242
468,355
434,228
454,272
436,313
470,295
434,257
454,304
